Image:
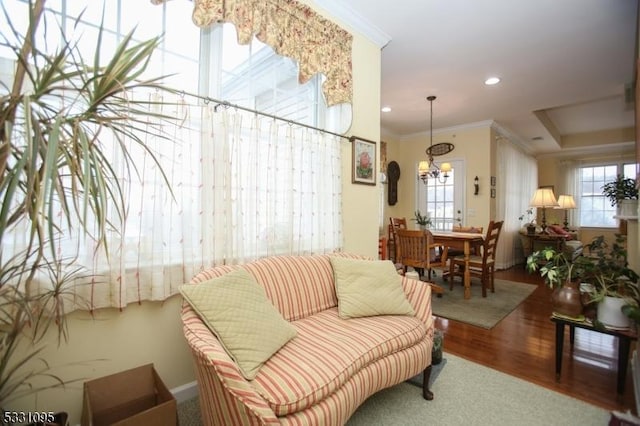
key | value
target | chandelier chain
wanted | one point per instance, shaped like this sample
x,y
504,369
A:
x,y
429,169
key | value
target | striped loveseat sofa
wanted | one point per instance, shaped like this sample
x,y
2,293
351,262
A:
x,y
332,366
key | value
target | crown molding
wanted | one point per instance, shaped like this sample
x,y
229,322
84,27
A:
x,y
512,137
611,150
341,10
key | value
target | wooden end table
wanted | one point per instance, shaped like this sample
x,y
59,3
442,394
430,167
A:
x,y
625,337
554,240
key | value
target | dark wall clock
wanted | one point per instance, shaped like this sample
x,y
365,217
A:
x,y
393,174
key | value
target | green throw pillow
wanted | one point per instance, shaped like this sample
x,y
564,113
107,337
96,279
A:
x,y
368,287
236,309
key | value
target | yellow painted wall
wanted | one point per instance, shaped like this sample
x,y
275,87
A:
x,y
113,341
360,214
473,145
588,234
151,332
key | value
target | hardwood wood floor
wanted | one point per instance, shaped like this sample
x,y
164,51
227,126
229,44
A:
x,y
523,345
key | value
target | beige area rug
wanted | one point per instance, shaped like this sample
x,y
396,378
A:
x,y
471,394
480,311
466,393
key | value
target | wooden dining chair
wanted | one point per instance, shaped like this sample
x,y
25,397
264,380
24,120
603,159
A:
x,y
416,249
395,223
471,230
480,265
453,252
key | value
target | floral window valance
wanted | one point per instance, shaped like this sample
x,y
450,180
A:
x,y
293,30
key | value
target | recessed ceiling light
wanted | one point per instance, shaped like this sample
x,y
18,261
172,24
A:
x,y
491,81
386,109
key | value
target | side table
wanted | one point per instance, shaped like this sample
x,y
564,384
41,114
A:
x,y
625,337
556,241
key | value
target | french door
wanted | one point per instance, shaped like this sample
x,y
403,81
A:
x,y
443,201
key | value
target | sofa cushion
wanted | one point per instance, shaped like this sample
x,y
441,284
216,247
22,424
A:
x,y
559,230
298,286
236,309
327,352
368,287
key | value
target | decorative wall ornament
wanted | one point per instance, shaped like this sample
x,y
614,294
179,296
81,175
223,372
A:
x,y
393,175
363,166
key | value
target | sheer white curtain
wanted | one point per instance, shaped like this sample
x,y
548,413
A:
x,y
517,181
242,187
275,188
568,179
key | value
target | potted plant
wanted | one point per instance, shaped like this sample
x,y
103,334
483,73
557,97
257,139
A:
x,y
422,220
530,223
561,275
613,284
54,118
604,273
612,297
623,193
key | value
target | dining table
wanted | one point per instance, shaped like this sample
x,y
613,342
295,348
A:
x,y
460,240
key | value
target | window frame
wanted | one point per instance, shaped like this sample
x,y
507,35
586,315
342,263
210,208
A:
x,y
166,258
456,182
599,198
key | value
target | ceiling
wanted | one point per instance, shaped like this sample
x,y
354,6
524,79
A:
x,y
564,64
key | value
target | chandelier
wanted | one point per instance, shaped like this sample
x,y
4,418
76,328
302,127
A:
x,y
429,169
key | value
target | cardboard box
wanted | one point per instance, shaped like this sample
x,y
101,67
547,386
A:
x,y
129,398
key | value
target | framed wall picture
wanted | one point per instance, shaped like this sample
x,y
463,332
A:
x,y
363,166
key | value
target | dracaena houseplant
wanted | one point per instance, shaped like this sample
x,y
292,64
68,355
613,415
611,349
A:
x,y
60,118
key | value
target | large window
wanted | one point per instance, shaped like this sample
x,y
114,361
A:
x,y
177,57
244,186
595,208
207,62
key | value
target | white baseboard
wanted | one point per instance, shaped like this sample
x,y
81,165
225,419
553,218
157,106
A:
x,y
185,392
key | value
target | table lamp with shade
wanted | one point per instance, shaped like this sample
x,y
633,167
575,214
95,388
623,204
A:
x,y
566,202
543,197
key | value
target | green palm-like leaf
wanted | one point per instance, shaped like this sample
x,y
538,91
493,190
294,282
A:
x,y
56,140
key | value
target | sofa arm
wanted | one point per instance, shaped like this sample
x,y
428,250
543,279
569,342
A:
x,y
419,295
226,397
